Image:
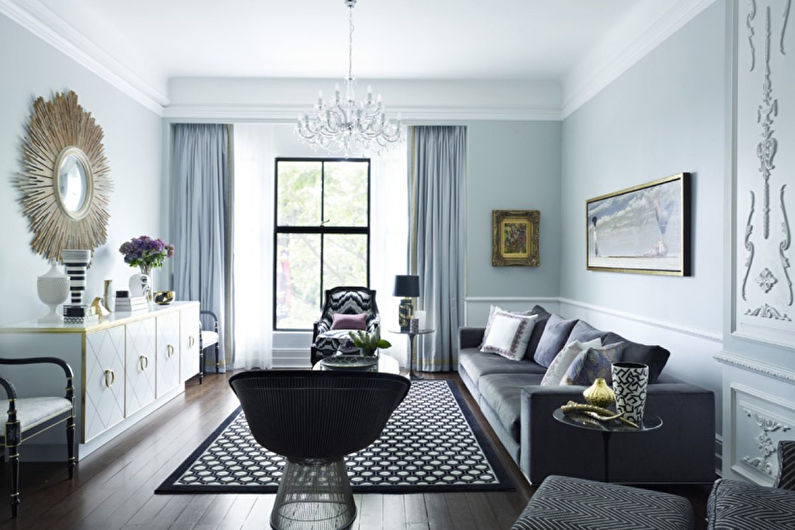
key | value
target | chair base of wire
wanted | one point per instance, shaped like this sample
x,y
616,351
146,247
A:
x,y
314,494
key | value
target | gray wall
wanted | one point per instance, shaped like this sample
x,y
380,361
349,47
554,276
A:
x,y
133,137
512,166
665,115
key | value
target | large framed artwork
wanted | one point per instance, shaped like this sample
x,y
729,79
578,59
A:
x,y
514,238
644,229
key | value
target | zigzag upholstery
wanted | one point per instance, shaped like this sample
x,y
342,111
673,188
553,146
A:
x,y
737,505
786,465
565,503
345,300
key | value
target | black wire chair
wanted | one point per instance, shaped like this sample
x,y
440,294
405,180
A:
x,y
314,419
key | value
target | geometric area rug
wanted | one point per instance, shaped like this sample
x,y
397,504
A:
x,y
431,443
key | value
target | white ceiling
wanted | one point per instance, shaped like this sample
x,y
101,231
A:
x,y
417,39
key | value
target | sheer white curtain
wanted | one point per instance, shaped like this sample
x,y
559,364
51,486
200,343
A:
x,y
253,245
388,238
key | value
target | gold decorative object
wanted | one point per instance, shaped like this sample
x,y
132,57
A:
x,y
65,180
100,309
514,238
599,394
599,413
164,297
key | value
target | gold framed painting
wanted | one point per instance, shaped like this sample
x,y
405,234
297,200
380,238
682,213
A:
x,y
514,238
644,229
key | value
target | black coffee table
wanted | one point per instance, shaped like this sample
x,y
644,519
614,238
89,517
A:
x,y
583,421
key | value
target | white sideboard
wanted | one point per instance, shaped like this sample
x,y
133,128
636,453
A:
x,y
125,366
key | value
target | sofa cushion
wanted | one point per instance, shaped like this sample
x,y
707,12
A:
x,y
735,504
634,352
562,361
538,329
553,339
508,335
591,364
503,393
493,309
584,332
476,364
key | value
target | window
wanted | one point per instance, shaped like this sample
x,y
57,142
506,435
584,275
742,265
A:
x,y
321,236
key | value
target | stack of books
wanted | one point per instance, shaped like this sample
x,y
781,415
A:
x,y
130,304
79,314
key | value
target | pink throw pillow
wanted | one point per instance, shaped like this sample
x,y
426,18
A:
x,y
348,321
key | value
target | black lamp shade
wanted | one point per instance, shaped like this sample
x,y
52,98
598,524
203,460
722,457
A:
x,y
407,286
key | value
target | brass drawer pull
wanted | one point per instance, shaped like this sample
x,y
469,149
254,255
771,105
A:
x,y
144,362
170,350
110,378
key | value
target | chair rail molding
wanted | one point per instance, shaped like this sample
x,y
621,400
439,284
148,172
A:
x,y
752,365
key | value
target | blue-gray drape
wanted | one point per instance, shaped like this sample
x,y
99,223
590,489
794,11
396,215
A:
x,y
201,223
436,246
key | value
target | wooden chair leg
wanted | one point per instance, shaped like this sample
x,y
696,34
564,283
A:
x,y
12,438
70,445
201,366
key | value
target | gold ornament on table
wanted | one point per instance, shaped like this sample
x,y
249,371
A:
x,y
597,413
100,309
65,180
164,297
599,394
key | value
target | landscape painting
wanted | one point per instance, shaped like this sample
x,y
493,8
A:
x,y
644,229
514,240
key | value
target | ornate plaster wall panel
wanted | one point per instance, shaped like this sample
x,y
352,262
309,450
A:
x,y
759,422
764,306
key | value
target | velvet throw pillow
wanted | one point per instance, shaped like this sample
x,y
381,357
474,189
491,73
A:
x,y
555,336
591,364
538,329
349,321
562,360
508,335
493,309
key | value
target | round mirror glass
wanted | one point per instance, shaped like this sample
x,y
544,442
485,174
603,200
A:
x,y
73,184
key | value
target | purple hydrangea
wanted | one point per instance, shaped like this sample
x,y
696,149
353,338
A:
x,y
144,251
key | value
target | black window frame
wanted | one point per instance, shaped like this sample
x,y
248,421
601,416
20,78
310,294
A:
x,y
320,229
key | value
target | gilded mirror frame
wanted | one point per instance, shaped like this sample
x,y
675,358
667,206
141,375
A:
x,y
58,128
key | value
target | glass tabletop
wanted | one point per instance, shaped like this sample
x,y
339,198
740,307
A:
x,y
418,332
583,421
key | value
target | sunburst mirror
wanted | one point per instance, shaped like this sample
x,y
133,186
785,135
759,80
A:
x,y
65,181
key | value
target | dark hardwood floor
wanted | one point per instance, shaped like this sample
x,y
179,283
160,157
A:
x,y
113,488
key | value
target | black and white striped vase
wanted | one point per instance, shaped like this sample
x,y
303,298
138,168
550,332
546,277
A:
x,y
629,384
76,262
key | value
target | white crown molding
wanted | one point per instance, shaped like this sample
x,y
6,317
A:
x,y
601,68
753,365
694,332
408,114
42,22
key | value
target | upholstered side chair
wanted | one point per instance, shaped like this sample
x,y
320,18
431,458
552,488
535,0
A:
x,y
314,419
345,300
29,416
208,338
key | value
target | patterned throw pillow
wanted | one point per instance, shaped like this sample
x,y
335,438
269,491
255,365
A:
x,y
592,364
562,360
493,309
508,335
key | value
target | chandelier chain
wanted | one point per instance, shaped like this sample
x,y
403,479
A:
x,y
350,42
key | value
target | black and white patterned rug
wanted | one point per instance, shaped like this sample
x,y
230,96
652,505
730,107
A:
x,y
431,443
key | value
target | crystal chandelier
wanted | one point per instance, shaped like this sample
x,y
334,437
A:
x,y
347,125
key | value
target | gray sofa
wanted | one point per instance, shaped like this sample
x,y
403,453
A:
x,y
520,412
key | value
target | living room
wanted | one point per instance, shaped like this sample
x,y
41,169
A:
x,y
557,106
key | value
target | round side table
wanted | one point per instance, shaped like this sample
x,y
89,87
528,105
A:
x,y
413,347
386,364
582,421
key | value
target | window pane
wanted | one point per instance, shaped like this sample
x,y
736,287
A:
x,y
344,260
346,194
299,193
297,280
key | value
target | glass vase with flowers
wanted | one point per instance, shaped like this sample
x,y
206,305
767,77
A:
x,y
147,254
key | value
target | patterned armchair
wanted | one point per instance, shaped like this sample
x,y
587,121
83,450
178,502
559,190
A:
x,y
346,300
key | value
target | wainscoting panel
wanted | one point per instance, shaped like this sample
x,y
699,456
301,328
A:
x,y
759,421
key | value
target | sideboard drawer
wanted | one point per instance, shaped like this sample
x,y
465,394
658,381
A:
x,y
141,365
167,353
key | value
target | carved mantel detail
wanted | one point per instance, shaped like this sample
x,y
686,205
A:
x,y
765,443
